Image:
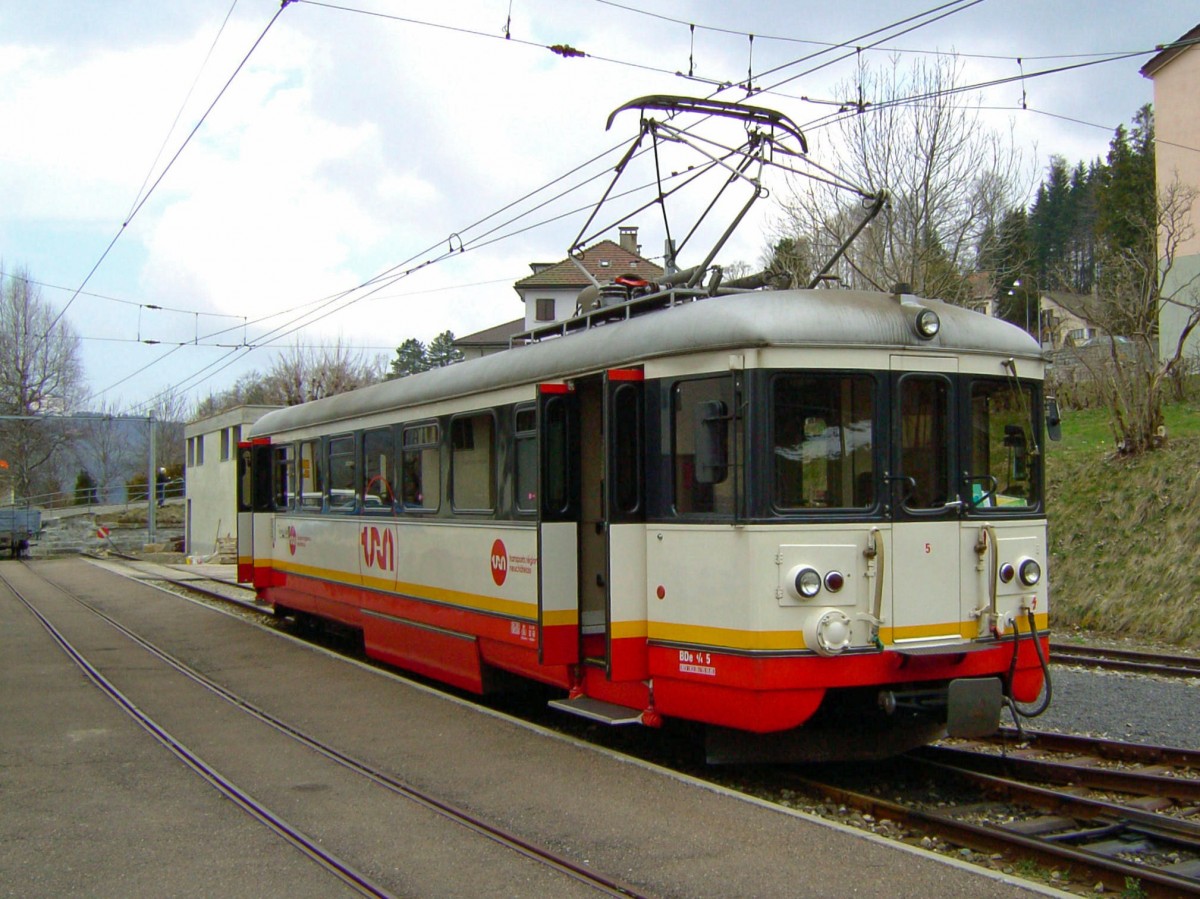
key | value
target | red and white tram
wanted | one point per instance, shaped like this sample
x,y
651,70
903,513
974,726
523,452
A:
x,y
816,516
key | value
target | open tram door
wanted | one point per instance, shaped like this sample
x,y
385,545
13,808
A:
x,y
253,495
591,534
921,493
558,524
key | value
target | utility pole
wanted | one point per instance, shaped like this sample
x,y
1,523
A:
x,y
151,482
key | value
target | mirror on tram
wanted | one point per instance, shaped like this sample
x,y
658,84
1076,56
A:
x,y
1053,419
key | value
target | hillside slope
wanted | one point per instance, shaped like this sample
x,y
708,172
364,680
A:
x,y
1124,540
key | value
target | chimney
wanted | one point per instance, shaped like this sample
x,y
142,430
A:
x,y
629,238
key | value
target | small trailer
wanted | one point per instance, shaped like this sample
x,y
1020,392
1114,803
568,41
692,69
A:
x,y
18,528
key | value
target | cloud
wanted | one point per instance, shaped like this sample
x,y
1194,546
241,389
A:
x,y
350,144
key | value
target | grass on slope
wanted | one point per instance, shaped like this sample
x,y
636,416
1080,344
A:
x,y
1124,547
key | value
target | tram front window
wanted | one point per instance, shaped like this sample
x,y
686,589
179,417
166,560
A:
x,y
925,444
823,429
1004,467
703,443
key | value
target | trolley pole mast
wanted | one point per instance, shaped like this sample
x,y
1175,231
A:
x,y
151,482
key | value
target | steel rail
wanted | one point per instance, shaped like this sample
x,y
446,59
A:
x,y
190,583
1116,750
1135,661
297,838
1114,873
1077,773
1065,802
566,866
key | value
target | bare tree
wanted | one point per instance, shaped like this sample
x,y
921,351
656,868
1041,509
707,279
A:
x,y
301,374
949,181
298,375
103,448
40,375
170,410
1136,294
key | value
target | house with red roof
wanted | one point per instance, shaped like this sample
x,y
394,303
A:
x,y
551,292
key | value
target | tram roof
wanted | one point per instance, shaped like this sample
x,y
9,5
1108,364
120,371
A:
x,y
786,318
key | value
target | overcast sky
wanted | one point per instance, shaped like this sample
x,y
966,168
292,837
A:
x,y
351,143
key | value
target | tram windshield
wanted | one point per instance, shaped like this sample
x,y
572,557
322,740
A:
x,y
1003,454
823,441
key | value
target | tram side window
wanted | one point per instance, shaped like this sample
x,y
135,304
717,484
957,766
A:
x,y
527,460
283,474
702,443
312,482
823,455
472,470
378,452
1002,447
422,467
342,486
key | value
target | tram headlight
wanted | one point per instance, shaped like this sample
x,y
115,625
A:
x,y
808,582
1030,573
828,632
928,324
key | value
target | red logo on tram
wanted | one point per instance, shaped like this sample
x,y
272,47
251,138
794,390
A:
x,y
499,562
378,548
292,540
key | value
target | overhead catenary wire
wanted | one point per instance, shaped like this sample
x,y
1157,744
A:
x,y
791,39
340,301
182,106
397,272
139,204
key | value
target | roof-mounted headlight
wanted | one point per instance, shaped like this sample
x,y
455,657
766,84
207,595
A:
x,y
927,324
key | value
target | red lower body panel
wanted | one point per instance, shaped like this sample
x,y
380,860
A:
x,y
755,693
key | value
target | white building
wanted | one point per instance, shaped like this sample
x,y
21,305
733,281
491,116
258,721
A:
x,y
211,493
1176,75
551,293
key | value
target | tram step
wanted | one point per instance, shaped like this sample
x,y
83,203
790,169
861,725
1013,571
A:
x,y
941,649
596,710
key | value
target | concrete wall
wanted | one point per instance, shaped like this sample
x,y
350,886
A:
x,y
1177,132
211,459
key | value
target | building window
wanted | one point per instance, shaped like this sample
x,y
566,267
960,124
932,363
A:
x,y
191,452
200,450
224,444
545,309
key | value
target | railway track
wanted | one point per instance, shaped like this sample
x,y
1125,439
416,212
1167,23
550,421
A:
x,y
209,587
1098,811
1134,661
1139,829
308,845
